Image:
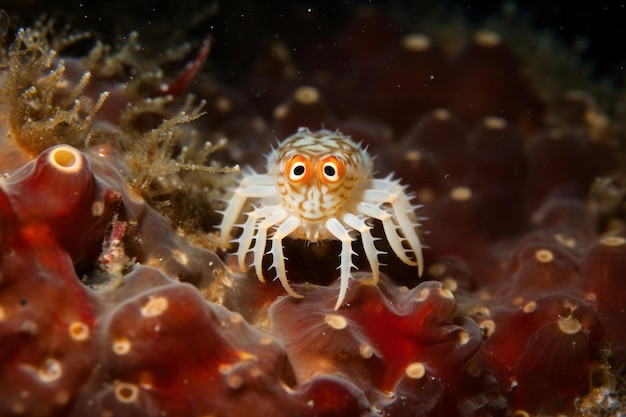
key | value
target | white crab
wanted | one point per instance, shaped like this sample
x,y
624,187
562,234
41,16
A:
x,y
319,186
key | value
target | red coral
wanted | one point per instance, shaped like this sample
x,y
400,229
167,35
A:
x,y
57,201
47,322
224,366
602,272
539,266
51,346
392,343
552,339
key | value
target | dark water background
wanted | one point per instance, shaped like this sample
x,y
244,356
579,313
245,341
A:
x,y
599,24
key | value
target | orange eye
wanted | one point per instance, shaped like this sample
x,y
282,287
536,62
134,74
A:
x,y
298,169
331,169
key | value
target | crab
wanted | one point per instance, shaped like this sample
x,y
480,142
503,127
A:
x,y
319,186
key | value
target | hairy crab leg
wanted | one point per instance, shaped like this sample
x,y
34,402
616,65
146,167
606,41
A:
x,y
278,260
261,239
401,211
394,239
395,190
368,243
392,186
249,229
340,232
236,205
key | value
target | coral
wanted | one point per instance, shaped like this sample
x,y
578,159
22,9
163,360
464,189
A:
x,y
568,331
601,279
47,352
51,352
54,220
391,343
117,297
540,265
43,109
138,333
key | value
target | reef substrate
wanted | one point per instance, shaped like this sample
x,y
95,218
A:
x,y
116,299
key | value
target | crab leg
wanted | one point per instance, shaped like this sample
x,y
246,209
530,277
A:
x,y
278,259
249,227
402,211
261,239
236,205
394,239
397,191
368,243
340,232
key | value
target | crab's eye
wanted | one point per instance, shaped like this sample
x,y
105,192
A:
x,y
331,169
297,168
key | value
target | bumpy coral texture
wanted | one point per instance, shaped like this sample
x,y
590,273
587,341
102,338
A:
x,y
109,308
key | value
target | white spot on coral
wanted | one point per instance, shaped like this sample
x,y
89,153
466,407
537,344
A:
x,y
155,307
121,346
450,284
225,368
416,42
415,370
487,38
445,293
612,241
460,194
544,255
66,159
234,381
488,326
126,392
529,307
442,115
97,208
181,257
463,338
494,123
366,351
246,356
569,325
50,371
413,155
336,321
79,331
307,95
423,294
480,310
